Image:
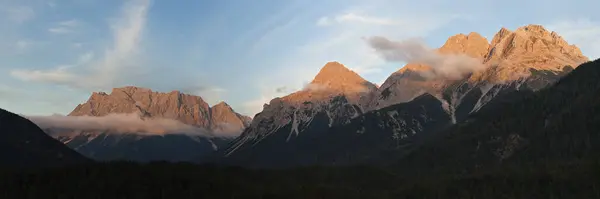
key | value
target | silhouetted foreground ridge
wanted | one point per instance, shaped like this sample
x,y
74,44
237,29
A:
x,y
24,144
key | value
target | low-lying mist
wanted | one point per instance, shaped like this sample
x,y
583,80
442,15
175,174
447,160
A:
x,y
128,123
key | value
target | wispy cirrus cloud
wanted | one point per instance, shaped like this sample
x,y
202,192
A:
x,y
107,71
351,17
122,63
65,27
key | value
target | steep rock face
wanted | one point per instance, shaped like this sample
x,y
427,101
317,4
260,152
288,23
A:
x,y
188,109
514,54
408,82
529,58
23,144
334,97
368,138
225,119
219,121
505,77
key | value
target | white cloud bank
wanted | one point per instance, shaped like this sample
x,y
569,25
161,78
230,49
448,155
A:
x,y
450,66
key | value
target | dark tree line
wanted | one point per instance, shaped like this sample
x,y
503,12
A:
x,y
167,180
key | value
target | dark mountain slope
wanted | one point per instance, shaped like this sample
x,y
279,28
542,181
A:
x,y
285,131
364,139
557,124
24,145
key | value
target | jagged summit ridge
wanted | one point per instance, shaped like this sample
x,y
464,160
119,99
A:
x,y
530,46
334,79
339,79
511,56
473,45
335,95
336,74
188,109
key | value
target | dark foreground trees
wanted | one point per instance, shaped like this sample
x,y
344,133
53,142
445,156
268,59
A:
x,y
576,179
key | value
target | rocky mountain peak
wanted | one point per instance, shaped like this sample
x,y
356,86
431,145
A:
x,y
222,104
131,89
224,118
335,75
332,80
501,34
408,82
189,109
533,29
473,45
335,95
513,54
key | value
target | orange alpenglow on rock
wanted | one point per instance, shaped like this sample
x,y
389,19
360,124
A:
x,y
188,109
513,54
509,57
223,118
510,54
332,80
185,108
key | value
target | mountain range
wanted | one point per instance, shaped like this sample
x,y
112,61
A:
x,y
336,127
435,107
160,126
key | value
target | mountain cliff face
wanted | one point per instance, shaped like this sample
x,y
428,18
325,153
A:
x,y
365,138
334,97
529,58
366,127
23,145
411,80
218,125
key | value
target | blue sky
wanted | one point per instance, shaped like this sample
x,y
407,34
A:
x,y
54,53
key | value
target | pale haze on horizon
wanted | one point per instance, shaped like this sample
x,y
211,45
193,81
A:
x,y
53,53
